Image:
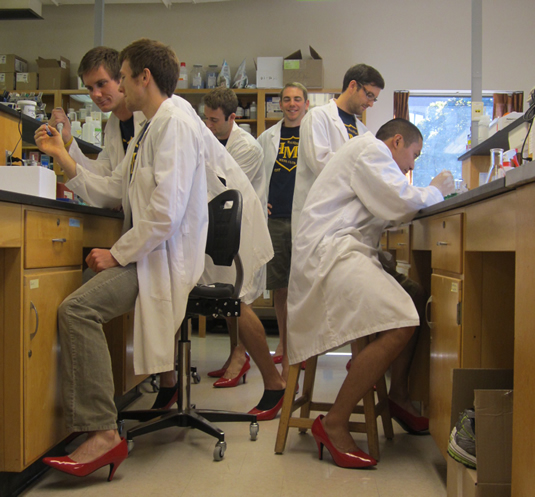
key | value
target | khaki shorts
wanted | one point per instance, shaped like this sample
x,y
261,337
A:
x,y
278,268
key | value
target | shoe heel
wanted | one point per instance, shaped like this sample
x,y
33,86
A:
x,y
320,450
244,376
113,467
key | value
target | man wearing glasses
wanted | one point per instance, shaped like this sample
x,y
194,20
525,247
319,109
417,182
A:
x,y
326,128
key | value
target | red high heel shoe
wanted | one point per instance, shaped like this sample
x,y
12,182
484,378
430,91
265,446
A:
x,y
358,459
268,414
277,359
415,425
113,457
232,382
218,373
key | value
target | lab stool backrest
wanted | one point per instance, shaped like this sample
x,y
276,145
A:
x,y
224,225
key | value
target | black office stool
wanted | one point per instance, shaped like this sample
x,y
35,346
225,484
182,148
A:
x,y
218,299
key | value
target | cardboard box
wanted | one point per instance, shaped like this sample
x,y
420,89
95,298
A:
x,y
273,109
27,81
7,81
490,392
12,63
269,72
54,74
265,300
308,72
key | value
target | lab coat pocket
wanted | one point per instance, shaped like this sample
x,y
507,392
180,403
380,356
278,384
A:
x,y
159,275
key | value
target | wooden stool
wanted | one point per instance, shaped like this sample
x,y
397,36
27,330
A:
x,y
369,408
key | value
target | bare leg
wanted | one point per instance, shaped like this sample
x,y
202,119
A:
x,y
399,378
97,444
236,361
168,379
253,336
280,300
366,368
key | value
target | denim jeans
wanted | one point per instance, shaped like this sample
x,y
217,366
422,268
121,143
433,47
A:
x,y
87,378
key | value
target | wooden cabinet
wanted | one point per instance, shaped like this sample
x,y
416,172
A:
x,y
446,294
44,425
399,240
41,255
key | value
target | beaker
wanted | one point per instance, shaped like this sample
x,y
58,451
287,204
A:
x,y
496,162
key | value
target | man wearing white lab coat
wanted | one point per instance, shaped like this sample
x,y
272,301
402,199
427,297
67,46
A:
x,y
157,260
99,70
325,129
281,144
338,289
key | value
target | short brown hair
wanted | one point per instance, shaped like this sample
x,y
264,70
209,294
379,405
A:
x,y
158,58
101,56
224,98
299,86
363,75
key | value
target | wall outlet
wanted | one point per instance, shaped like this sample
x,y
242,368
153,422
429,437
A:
x,y
478,110
8,158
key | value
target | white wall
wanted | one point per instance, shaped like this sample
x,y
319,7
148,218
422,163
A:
x,y
415,44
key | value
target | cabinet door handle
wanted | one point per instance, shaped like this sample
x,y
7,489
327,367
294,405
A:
x,y
32,306
442,244
59,240
401,244
427,305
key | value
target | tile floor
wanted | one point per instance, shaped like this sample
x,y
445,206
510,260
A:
x,y
178,461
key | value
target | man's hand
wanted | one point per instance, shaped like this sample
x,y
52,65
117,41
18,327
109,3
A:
x,y
100,259
269,209
444,182
49,140
58,116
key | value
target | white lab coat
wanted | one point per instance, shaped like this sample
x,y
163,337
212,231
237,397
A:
x,y
255,242
167,202
269,140
322,134
338,290
248,153
113,152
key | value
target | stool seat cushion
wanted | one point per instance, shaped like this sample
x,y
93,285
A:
x,y
214,291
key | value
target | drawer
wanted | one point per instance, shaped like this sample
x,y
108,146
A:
x,y
447,243
398,240
10,225
52,240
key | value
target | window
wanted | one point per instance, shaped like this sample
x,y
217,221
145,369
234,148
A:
x,y
445,121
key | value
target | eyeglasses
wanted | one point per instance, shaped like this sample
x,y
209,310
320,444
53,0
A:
x,y
369,95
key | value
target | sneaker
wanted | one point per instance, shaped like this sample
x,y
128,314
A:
x,y
462,444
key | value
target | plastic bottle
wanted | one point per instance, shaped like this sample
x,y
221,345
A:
x,y
76,129
240,112
96,132
183,76
197,77
211,76
71,114
253,110
483,128
86,130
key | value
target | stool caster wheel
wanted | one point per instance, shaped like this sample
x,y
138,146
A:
x,y
154,383
130,444
120,427
195,376
219,450
253,431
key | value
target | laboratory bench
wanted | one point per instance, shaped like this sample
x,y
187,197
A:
x,y
474,255
43,244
